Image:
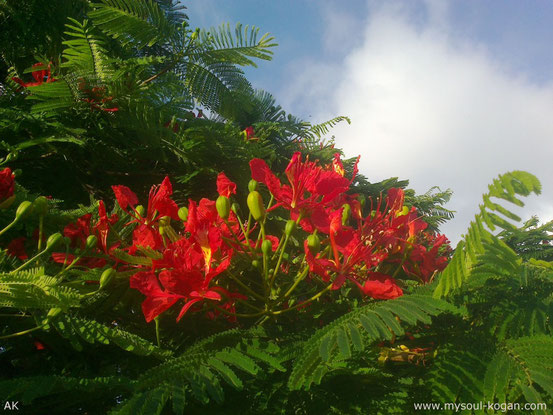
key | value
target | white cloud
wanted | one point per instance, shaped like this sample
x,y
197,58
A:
x,y
433,109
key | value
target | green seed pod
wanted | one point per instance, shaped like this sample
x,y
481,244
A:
x,y
54,312
252,185
314,244
54,240
255,203
23,209
346,213
223,207
290,227
266,247
106,278
235,207
40,206
91,242
183,214
165,221
362,201
140,210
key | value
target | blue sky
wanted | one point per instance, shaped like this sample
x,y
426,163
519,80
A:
x,y
447,93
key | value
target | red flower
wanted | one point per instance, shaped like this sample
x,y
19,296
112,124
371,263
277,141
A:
x,y
424,262
184,275
159,204
380,286
311,188
7,184
225,187
350,254
16,248
78,231
249,133
102,226
39,76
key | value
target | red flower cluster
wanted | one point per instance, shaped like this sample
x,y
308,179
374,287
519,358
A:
x,y
7,184
188,264
96,97
206,258
38,75
317,197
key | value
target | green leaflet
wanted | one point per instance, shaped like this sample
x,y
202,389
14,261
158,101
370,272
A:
x,y
332,343
506,187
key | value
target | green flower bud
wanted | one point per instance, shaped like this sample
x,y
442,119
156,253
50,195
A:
x,y
314,244
140,210
256,263
106,278
346,213
54,240
40,206
266,247
255,204
223,207
290,227
252,185
23,209
66,240
235,207
91,242
54,312
362,201
165,221
183,214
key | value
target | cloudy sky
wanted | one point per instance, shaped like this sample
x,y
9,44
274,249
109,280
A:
x,y
443,93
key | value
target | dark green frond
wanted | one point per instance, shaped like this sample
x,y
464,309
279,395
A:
x,y
138,22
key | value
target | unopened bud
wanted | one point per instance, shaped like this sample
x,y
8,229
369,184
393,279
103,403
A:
x,y
40,206
54,240
346,213
223,207
23,209
52,314
183,214
256,206
266,247
165,221
235,207
91,242
140,210
290,227
252,185
106,278
314,244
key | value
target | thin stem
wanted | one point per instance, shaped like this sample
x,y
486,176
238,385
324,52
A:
x,y
320,293
158,337
40,226
37,256
249,305
300,277
228,313
10,225
278,262
244,286
21,333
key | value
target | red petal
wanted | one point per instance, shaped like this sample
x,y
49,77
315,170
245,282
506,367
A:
x,y
154,306
187,307
225,187
124,196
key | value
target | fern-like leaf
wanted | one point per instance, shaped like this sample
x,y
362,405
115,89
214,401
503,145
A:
x,y
506,187
376,321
